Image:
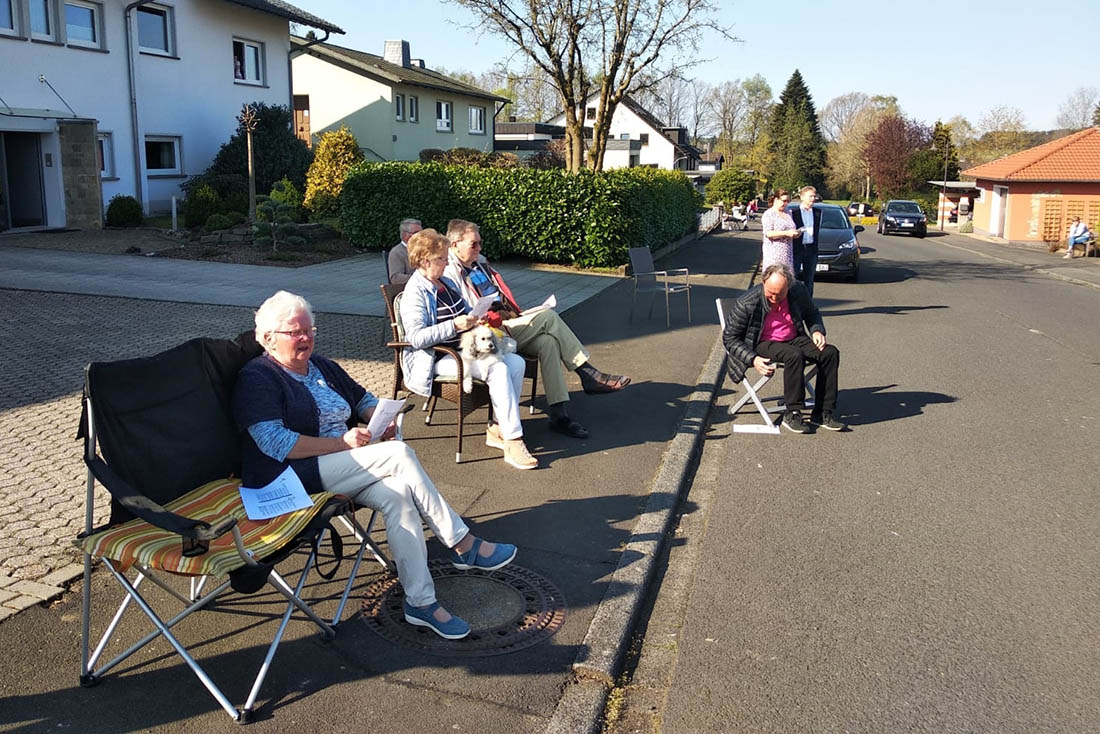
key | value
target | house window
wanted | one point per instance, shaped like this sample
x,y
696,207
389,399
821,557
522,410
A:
x,y
83,24
248,62
105,156
162,155
155,29
399,106
42,19
7,16
644,137
590,113
443,116
477,120
414,108
624,136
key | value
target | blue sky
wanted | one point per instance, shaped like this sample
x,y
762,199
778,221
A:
x,y
939,58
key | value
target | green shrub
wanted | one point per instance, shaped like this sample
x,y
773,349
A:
x,y
337,151
231,188
123,211
287,193
433,155
730,186
547,215
277,151
966,226
217,221
274,225
200,203
236,218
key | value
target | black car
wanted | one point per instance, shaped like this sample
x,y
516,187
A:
x,y
837,247
903,216
860,209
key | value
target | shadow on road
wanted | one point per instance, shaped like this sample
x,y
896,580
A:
x,y
865,405
887,310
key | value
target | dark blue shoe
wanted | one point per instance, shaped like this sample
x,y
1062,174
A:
x,y
500,558
455,629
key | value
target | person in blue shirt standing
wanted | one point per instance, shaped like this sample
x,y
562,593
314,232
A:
x,y
808,220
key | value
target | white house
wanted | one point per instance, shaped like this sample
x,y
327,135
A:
x,y
637,138
102,98
394,105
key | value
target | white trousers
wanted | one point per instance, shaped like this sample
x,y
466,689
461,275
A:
x,y
505,380
386,476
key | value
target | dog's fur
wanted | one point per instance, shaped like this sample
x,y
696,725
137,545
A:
x,y
481,344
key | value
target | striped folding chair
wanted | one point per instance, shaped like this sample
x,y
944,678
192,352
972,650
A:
x,y
159,436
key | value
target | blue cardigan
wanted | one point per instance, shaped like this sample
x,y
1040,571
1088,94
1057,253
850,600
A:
x,y
264,391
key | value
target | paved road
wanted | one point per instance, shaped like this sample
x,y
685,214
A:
x,y
933,570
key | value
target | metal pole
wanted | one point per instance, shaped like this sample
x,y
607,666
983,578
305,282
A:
x,y
943,185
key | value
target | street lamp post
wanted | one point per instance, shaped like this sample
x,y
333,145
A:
x,y
943,185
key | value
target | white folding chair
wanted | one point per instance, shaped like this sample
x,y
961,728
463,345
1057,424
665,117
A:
x,y
752,390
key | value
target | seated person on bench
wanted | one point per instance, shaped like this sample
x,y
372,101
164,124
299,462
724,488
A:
x,y
768,324
294,408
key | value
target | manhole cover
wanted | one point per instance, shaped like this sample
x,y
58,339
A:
x,y
508,609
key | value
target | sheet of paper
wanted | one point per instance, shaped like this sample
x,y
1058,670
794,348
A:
x,y
482,306
285,494
548,303
383,415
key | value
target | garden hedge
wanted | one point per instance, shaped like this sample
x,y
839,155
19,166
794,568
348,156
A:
x,y
588,219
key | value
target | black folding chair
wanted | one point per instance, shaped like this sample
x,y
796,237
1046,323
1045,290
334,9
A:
x,y
168,450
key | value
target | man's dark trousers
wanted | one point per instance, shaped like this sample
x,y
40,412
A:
x,y
805,265
793,355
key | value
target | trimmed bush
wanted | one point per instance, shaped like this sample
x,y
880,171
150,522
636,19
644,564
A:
x,y
730,185
200,203
337,151
231,188
236,218
124,211
274,225
277,151
284,192
217,221
587,218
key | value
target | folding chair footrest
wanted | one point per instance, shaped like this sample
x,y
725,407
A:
x,y
244,716
89,680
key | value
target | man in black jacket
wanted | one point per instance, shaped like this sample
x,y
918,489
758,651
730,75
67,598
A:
x,y
769,324
808,219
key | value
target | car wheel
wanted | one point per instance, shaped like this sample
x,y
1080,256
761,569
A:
x,y
854,277
920,234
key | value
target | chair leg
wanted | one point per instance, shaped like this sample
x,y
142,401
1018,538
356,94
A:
x,y
534,389
668,317
430,407
163,629
461,417
769,425
688,292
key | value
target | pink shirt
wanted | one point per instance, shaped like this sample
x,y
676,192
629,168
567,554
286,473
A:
x,y
778,324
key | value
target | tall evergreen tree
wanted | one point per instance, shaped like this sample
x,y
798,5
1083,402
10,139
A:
x,y
945,146
797,145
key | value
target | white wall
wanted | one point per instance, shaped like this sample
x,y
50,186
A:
x,y
659,150
194,96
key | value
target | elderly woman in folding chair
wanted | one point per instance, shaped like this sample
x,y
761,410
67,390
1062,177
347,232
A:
x,y
298,409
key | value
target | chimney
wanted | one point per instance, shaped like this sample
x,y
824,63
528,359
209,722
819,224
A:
x,y
417,63
397,52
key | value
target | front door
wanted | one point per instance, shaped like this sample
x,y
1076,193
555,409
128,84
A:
x,y
23,195
301,118
998,210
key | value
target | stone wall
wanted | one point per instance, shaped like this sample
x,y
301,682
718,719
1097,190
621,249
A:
x,y
80,174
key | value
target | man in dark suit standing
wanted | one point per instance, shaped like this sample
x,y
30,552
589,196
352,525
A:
x,y
808,220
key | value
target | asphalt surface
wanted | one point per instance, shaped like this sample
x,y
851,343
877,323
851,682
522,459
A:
x,y
571,519
934,569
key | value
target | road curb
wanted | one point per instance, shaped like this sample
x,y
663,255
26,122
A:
x,y
580,709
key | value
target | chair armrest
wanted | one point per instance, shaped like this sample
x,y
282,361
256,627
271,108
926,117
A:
x,y
677,270
652,272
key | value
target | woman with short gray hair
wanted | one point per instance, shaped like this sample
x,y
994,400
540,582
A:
x,y
298,410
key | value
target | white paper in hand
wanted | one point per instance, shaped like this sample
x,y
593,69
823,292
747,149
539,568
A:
x,y
285,494
550,302
482,306
383,416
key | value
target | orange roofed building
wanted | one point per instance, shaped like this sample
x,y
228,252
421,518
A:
x,y
1031,196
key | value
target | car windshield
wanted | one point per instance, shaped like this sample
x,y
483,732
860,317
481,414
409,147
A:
x,y
904,207
834,219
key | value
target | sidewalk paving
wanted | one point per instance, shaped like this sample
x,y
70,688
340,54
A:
x,y
1079,270
572,518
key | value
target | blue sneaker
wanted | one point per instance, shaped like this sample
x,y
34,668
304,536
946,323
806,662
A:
x,y
455,629
500,558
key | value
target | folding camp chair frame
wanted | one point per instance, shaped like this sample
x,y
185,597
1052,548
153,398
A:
x,y
196,599
752,392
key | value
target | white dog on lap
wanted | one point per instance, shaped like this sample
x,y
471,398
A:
x,y
483,344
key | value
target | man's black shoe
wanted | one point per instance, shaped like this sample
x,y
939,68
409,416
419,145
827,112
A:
x,y
568,427
827,421
793,422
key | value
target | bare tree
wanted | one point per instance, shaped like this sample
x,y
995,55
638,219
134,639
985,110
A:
x,y
1001,118
1076,112
838,116
667,96
597,47
698,121
848,165
728,108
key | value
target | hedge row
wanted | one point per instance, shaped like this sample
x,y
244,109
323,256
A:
x,y
589,219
